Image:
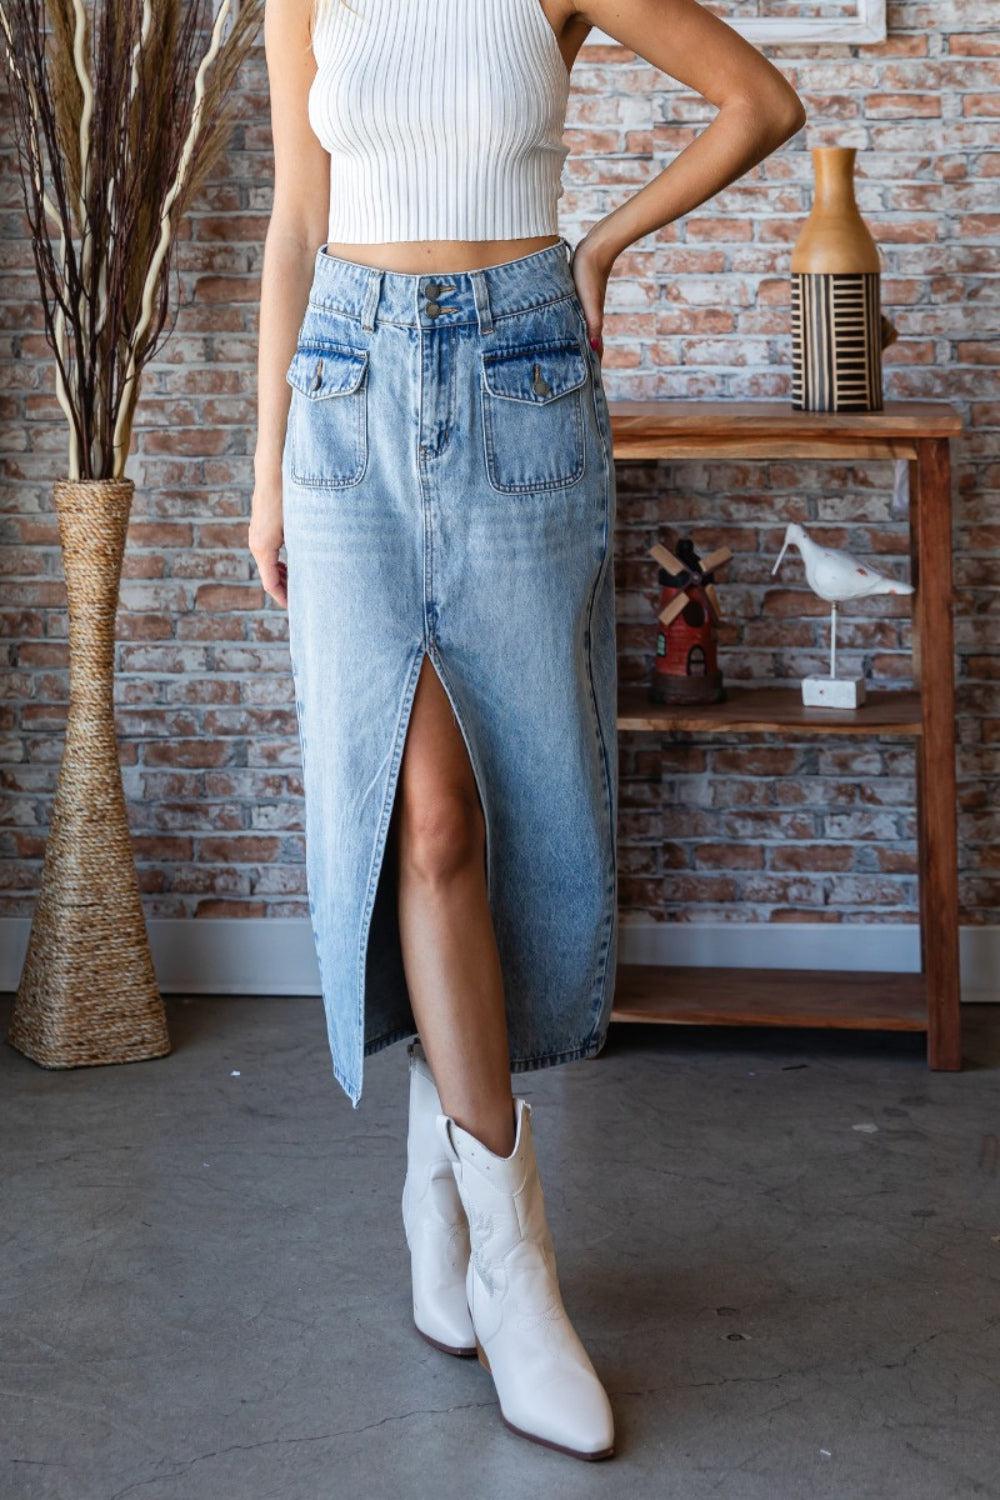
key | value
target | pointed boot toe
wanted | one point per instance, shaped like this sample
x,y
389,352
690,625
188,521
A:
x,y
576,1418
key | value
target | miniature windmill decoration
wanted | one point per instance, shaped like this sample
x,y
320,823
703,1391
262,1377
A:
x,y
835,576
685,668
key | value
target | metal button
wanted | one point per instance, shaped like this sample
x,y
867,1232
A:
x,y
539,384
433,308
433,290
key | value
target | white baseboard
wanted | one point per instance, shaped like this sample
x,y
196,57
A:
x,y
275,956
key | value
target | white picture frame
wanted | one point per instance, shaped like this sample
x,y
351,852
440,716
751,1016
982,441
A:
x,y
867,25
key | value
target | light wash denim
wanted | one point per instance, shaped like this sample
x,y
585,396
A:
x,y
449,491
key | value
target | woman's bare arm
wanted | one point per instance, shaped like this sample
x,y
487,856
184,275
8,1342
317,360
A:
x,y
757,110
296,230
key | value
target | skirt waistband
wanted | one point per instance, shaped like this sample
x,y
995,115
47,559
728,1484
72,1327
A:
x,y
427,300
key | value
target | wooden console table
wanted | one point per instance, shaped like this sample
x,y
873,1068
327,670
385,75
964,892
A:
x,y
929,1001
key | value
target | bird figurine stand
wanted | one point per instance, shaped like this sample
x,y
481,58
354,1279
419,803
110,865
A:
x,y
835,576
685,667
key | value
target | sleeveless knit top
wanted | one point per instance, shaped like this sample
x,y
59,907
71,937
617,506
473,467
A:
x,y
443,118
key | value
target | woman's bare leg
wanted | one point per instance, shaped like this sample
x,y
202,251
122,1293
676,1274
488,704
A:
x,y
449,947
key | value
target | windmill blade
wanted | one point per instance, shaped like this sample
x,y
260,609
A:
x,y
670,611
711,594
715,559
666,559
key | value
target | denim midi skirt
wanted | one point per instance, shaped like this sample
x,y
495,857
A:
x,y
449,491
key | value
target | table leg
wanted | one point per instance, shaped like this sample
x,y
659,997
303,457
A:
x,y
930,521
914,490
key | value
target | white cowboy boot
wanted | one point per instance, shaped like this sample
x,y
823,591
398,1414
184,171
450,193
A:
x,y
547,1387
434,1222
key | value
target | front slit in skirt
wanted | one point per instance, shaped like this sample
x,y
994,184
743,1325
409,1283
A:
x,y
449,491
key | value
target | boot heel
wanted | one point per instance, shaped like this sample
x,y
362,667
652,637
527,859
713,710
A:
x,y
481,1352
460,1351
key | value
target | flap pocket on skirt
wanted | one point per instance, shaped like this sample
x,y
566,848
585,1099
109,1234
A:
x,y
325,369
328,429
533,427
538,373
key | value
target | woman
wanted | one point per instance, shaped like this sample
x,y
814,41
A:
x,y
434,455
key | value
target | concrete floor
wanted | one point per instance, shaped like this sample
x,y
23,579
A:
x,y
782,1250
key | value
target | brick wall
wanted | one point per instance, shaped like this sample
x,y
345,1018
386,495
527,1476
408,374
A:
x,y
711,830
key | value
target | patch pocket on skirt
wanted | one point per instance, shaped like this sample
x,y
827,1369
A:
x,y
533,415
329,413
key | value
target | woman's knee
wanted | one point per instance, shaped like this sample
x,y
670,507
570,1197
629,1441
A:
x,y
441,837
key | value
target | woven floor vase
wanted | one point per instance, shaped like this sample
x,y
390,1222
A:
x,y
88,991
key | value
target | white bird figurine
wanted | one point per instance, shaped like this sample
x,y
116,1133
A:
x,y
836,576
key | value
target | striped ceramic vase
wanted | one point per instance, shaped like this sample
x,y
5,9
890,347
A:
x,y
837,327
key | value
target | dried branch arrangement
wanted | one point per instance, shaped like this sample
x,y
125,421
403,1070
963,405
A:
x,y
119,109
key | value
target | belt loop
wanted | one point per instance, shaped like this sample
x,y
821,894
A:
x,y
372,294
484,313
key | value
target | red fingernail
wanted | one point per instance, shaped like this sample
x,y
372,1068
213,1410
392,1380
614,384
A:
x,y
595,343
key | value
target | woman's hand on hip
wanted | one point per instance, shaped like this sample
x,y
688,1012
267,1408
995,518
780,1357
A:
x,y
267,535
591,273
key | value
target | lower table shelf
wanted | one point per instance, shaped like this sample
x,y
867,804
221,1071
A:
x,y
855,1001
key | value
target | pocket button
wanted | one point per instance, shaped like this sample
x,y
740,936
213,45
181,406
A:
x,y
539,384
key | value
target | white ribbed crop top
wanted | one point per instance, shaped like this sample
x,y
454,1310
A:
x,y
443,118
